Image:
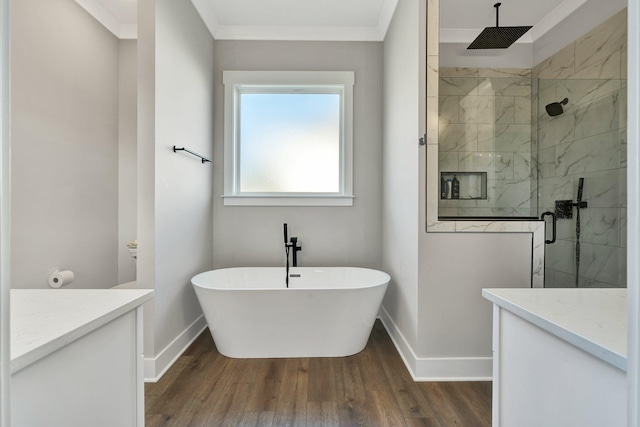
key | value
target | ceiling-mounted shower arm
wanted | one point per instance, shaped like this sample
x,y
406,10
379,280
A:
x,y
497,6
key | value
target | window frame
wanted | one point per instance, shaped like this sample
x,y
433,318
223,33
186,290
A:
x,y
238,82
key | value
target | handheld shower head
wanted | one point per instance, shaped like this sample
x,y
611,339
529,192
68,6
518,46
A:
x,y
555,108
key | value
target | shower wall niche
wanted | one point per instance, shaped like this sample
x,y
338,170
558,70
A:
x,y
485,118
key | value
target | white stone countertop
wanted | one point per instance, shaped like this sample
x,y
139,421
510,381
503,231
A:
x,y
45,320
594,320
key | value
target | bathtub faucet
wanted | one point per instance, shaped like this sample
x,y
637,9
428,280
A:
x,y
292,244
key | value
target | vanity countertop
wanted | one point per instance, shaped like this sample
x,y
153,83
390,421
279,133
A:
x,y
594,320
43,321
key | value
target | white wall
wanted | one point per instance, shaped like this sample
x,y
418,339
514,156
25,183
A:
x,y
330,236
175,203
400,166
64,145
146,176
454,320
5,216
127,156
435,310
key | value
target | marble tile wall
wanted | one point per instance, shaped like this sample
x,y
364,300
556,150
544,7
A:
x,y
484,138
587,141
484,125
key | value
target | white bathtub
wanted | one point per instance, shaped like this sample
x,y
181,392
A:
x,y
325,312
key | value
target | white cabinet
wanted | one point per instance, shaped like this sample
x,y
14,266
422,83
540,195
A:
x,y
559,357
77,361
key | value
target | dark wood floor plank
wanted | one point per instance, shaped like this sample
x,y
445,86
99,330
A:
x,y
257,419
409,396
291,410
350,393
202,344
322,414
372,388
330,414
218,391
156,420
386,410
322,380
314,414
230,406
473,402
179,392
422,422
157,390
452,406
264,395
372,371
196,407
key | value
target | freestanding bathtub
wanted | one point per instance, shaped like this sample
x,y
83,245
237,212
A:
x,y
325,312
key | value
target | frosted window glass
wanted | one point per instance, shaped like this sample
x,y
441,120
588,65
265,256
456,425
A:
x,y
289,143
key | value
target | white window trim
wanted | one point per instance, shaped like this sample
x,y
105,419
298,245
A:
x,y
234,83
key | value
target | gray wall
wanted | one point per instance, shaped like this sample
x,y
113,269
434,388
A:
x,y
127,157
64,145
330,236
5,217
175,206
455,321
434,299
401,130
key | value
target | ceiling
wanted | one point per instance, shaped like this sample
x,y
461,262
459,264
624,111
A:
x,y
460,20
555,25
297,19
118,16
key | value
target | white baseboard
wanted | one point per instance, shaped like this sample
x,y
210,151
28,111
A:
x,y
420,368
154,368
436,369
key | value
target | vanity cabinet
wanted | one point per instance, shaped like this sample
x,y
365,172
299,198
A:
x,y
77,358
559,357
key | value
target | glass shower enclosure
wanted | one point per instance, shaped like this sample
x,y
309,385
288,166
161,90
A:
x,y
581,168
518,146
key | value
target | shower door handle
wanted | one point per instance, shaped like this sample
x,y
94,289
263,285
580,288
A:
x,y
553,226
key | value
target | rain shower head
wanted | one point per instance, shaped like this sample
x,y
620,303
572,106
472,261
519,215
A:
x,y
555,108
498,37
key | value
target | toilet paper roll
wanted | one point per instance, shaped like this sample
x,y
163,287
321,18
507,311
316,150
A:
x,y
60,278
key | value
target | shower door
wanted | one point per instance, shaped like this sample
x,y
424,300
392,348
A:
x,y
580,149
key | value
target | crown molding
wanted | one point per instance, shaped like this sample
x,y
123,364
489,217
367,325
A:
x,y
96,9
208,15
295,33
304,33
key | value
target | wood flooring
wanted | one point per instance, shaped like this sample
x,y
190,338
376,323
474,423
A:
x,y
371,388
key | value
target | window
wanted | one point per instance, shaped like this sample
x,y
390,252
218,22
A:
x,y
288,138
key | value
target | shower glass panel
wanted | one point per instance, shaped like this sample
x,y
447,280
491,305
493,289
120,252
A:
x,y
485,144
585,141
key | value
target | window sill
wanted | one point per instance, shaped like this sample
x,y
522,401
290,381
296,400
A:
x,y
297,200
